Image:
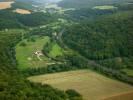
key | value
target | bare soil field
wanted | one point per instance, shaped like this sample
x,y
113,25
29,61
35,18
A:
x,y
22,11
91,85
5,5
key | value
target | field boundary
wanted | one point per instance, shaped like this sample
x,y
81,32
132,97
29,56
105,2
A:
x,y
117,95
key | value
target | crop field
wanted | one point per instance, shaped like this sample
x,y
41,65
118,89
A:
x,y
90,85
104,7
22,11
122,96
25,54
5,5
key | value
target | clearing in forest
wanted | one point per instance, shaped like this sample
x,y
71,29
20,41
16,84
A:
x,y
26,52
30,53
56,50
105,7
5,5
22,11
91,85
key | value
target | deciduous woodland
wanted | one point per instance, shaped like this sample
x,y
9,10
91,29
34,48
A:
x,y
66,50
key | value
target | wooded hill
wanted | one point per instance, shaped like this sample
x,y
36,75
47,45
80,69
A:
x,y
9,19
88,3
107,40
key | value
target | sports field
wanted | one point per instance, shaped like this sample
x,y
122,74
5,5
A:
x,y
90,85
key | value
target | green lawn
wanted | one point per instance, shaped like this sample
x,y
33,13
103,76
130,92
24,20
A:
x,y
25,54
55,51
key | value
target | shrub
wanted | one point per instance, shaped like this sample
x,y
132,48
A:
x,y
22,44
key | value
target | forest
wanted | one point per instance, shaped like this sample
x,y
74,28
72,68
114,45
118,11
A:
x,y
13,84
9,19
91,39
107,40
88,3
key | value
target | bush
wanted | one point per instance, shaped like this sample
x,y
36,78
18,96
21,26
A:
x,y
22,44
73,95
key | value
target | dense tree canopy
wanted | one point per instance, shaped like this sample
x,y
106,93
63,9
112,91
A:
x,y
107,37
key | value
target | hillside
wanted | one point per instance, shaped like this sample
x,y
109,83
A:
x,y
107,41
88,3
13,83
58,53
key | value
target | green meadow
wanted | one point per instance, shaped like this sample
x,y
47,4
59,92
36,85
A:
x,y
25,54
26,49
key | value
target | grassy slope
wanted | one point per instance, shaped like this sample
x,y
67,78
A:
x,y
24,52
90,84
56,50
26,59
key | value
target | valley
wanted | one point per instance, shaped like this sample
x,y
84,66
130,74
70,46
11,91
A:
x,y
66,50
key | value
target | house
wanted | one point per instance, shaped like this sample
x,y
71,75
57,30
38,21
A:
x,y
39,53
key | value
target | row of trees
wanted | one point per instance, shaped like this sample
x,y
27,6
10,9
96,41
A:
x,y
75,62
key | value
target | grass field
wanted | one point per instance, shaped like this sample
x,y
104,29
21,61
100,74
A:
x,y
24,54
26,57
55,51
90,85
104,7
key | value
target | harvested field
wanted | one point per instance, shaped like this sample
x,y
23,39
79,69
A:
x,y
104,7
22,11
123,96
90,85
5,5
